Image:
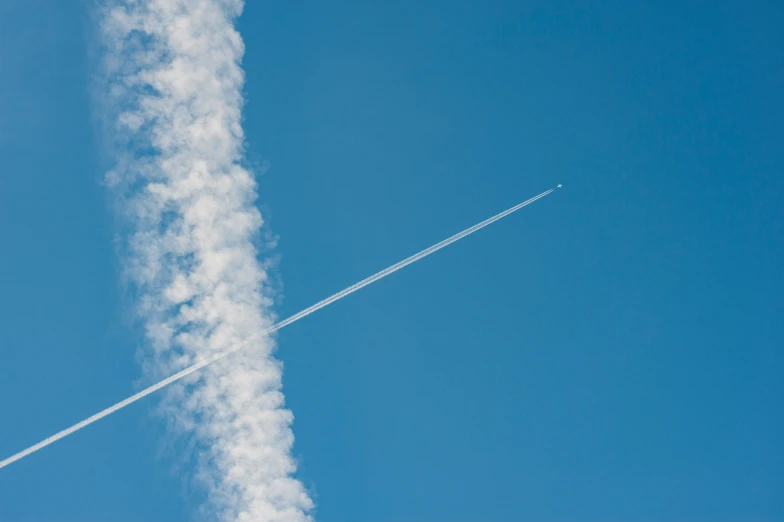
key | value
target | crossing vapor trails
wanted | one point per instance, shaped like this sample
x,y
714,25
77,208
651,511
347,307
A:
x,y
277,326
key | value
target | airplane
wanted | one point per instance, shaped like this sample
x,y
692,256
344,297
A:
x,y
559,186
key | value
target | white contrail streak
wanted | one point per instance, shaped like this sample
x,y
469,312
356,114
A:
x,y
277,326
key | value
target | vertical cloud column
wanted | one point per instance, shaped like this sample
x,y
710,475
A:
x,y
174,85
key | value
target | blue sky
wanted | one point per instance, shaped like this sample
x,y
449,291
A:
x,y
612,352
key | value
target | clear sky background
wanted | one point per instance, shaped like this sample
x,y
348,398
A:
x,y
612,352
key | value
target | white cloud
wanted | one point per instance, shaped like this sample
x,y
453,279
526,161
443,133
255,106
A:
x,y
173,68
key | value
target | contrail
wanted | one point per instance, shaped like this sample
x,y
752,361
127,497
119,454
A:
x,y
277,326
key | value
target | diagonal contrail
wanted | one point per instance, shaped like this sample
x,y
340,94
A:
x,y
277,326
